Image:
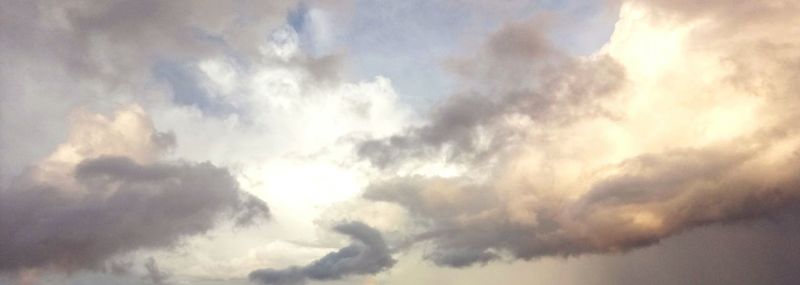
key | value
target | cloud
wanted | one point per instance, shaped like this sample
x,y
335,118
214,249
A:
x,y
119,40
676,124
154,274
106,192
229,81
518,72
673,125
102,55
368,254
289,129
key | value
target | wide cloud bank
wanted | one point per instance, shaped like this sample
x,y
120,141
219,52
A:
x,y
685,118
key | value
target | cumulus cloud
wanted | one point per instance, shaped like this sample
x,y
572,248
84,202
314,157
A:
x,y
106,192
674,124
518,71
368,254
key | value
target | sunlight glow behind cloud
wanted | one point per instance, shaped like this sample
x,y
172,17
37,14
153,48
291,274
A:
x,y
388,143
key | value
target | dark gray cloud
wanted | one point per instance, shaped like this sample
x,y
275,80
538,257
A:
x,y
116,206
517,73
154,274
753,252
368,254
119,267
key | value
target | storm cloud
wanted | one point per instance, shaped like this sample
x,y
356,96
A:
x,y
556,155
368,254
104,193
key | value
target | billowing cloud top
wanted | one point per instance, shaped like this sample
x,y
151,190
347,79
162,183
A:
x,y
683,119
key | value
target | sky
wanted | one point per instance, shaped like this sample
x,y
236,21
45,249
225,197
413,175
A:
x,y
399,142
